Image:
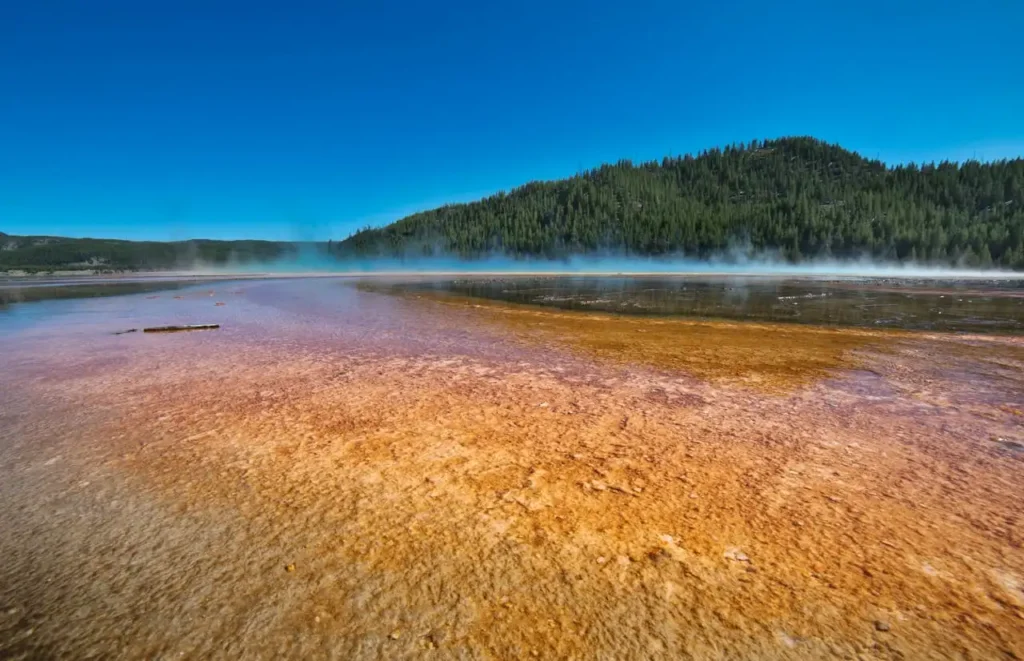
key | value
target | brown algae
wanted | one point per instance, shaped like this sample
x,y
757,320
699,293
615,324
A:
x,y
768,356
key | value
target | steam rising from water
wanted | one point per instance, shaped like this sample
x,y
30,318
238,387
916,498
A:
x,y
311,258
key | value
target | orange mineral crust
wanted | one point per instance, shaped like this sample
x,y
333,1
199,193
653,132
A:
x,y
380,477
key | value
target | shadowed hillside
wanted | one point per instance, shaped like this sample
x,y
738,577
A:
x,y
801,197
49,253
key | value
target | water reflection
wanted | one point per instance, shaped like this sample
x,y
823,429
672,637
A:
x,y
10,294
924,305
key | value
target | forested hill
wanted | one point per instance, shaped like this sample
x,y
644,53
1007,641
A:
x,y
50,253
798,196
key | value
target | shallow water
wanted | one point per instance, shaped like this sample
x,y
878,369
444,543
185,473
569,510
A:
x,y
337,473
30,293
976,306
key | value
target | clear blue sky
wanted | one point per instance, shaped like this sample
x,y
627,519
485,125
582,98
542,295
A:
x,y
172,120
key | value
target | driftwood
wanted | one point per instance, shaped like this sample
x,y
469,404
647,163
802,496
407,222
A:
x,y
174,329
130,330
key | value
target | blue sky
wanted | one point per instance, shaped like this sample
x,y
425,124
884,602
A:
x,y
299,120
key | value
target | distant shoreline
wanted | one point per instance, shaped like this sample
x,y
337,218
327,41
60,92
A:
x,y
7,280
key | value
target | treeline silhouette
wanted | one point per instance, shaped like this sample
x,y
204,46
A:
x,y
798,197
48,253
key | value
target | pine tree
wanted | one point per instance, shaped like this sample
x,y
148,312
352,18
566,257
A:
x,y
798,196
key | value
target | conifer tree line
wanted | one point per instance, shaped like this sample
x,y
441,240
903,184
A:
x,y
48,253
799,197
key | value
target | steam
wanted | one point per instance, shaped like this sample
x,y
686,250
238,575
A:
x,y
313,259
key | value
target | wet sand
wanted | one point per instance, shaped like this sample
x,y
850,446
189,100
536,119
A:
x,y
344,474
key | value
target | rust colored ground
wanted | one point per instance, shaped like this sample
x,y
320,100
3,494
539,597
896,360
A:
x,y
590,492
772,357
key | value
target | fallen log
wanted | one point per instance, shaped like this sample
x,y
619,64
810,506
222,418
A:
x,y
174,329
130,330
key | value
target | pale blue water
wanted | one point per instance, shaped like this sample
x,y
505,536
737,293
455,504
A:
x,y
995,306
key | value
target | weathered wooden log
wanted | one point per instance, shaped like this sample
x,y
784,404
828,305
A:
x,y
174,329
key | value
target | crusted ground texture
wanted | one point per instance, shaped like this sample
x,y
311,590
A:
x,y
343,474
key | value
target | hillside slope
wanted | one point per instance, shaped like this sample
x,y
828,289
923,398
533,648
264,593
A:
x,y
799,196
48,253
